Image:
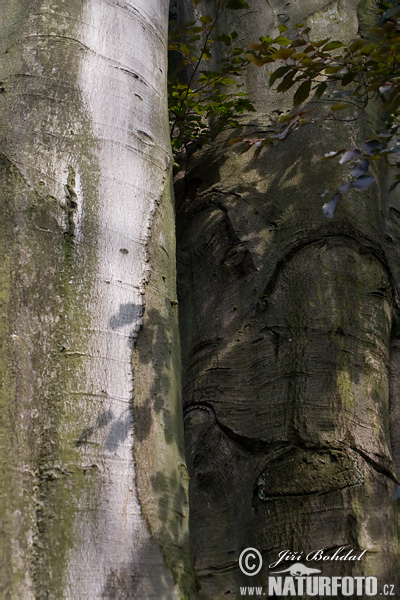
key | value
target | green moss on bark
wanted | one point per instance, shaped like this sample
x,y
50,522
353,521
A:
x,y
46,281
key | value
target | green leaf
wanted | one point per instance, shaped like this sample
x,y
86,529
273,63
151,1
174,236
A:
x,y
283,53
357,44
333,45
347,78
333,70
298,55
310,48
339,106
254,59
302,93
321,89
226,39
282,40
285,118
286,82
266,39
278,74
185,49
206,19
299,42
235,140
237,4
180,111
227,81
283,28
320,43
372,48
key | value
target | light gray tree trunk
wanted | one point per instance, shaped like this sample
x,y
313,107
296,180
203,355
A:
x,y
93,478
289,325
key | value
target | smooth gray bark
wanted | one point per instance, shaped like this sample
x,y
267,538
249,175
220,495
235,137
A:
x,y
93,480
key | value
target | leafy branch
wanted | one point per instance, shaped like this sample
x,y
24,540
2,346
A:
x,y
346,78
199,96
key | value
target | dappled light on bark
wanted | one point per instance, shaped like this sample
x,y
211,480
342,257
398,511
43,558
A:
x,y
287,333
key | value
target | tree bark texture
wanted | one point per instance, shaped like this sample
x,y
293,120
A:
x,y
290,338
93,477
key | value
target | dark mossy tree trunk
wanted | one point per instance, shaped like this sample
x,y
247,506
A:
x,y
290,338
92,474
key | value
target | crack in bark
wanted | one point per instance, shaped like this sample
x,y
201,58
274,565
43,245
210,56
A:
x,y
350,472
71,205
253,446
238,252
130,73
375,465
365,246
57,36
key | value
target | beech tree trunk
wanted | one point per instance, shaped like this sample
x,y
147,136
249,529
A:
x,y
93,478
290,337
289,323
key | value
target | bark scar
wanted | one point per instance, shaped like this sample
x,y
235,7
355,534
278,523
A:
x,y
71,204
